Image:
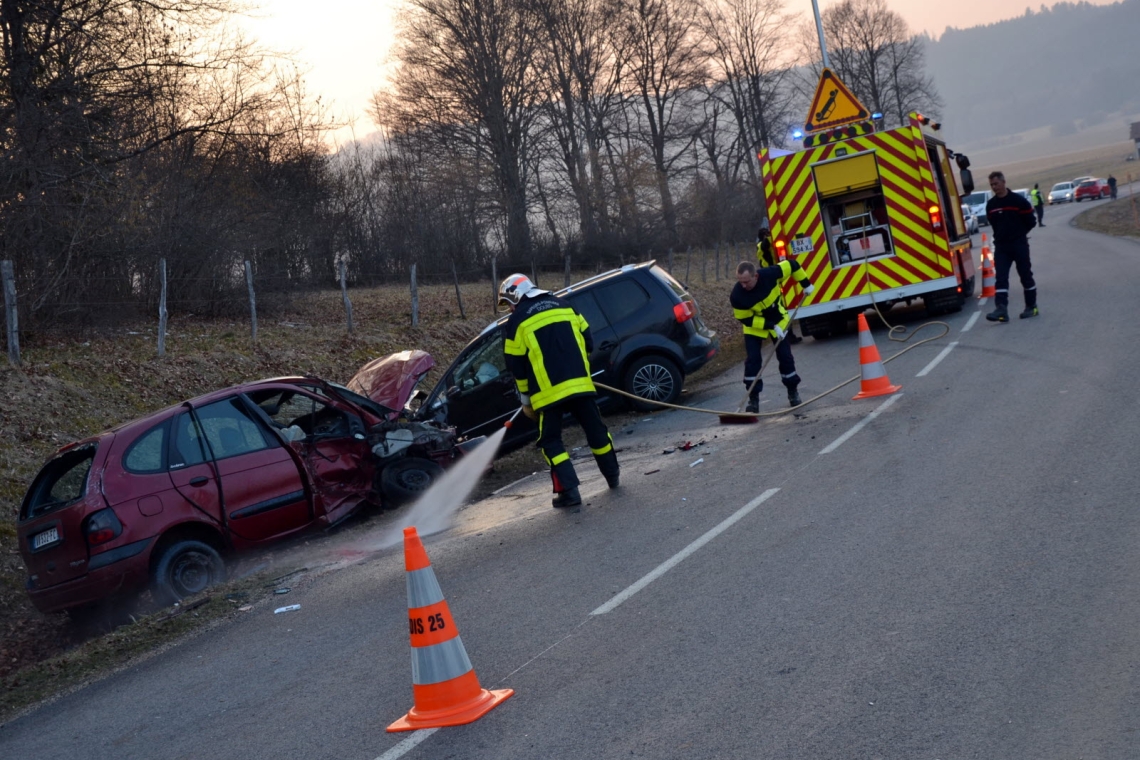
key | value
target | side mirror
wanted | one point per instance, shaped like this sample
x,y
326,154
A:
x,y
967,181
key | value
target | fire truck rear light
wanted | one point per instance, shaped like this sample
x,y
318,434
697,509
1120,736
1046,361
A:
x,y
683,312
781,249
935,218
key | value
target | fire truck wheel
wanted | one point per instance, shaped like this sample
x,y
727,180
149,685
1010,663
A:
x,y
405,479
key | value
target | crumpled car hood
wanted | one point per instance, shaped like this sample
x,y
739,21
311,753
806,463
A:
x,y
390,380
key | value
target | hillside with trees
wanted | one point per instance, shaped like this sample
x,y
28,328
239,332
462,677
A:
x,y
1067,67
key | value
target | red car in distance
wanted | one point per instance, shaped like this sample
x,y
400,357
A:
x,y
163,500
1091,189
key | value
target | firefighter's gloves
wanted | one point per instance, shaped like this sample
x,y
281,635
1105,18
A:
x,y
780,332
528,410
809,289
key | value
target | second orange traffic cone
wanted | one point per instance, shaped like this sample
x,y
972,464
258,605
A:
x,y
989,274
874,381
444,685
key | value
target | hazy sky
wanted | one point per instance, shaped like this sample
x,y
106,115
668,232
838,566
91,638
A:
x,y
343,44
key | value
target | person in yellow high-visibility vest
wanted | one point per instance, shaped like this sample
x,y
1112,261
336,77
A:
x,y
766,257
547,347
757,304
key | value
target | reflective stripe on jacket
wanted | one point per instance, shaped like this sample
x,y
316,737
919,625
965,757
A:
x,y
547,347
761,309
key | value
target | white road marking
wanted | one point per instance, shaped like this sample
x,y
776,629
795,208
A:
x,y
934,363
498,491
970,322
408,744
860,425
982,301
676,559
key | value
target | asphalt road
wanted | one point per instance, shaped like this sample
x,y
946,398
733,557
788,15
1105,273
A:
x,y
958,578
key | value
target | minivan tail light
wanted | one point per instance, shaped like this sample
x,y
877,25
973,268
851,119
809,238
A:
x,y
101,527
684,311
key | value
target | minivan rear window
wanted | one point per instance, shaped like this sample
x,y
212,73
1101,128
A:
x,y
667,278
62,481
621,299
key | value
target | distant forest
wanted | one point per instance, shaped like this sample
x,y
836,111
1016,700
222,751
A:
x,y
1067,67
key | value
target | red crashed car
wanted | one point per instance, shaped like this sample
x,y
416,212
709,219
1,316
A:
x,y
161,501
1091,190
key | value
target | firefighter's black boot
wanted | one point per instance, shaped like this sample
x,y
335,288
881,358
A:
x,y
1030,311
794,397
568,498
1000,314
753,406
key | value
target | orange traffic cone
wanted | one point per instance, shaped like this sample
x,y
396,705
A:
x,y
444,685
875,381
989,274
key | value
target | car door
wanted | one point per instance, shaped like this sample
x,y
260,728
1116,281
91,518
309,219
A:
x,y
603,335
224,462
328,437
481,392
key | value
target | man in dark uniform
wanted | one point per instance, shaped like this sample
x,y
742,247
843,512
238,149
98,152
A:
x,y
1011,218
757,302
547,348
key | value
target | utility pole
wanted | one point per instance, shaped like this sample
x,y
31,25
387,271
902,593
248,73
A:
x,y
819,30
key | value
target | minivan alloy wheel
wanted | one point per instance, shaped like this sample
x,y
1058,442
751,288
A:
x,y
654,379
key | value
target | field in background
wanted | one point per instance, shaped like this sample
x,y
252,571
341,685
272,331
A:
x,y
1048,170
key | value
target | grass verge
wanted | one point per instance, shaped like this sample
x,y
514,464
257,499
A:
x,y
1120,217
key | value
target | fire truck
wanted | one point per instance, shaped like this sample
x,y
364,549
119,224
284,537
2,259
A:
x,y
872,215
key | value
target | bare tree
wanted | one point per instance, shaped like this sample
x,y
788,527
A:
x,y
666,65
466,74
746,49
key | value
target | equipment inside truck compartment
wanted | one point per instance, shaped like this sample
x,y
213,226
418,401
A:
x,y
854,210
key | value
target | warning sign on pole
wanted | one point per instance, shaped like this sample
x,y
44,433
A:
x,y
833,105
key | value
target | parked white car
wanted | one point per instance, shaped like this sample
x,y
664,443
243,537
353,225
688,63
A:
x,y
1062,192
971,219
977,203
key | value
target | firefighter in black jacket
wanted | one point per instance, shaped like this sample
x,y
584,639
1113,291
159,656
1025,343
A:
x,y
1011,217
766,257
547,346
757,303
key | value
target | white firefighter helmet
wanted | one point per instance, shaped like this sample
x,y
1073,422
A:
x,y
515,288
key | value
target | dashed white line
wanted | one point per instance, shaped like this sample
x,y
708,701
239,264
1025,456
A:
x,y
860,425
408,744
676,559
970,322
934,363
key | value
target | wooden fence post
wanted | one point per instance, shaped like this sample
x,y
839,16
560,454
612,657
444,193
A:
x,y
415,299
8,275
566,269
494,284
533,273
670,259
252,301
704,260
344,296
688,263
717,268
162,309
458,295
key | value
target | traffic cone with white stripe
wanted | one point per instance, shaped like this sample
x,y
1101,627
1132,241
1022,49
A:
x,y
989,273
874,381
444,685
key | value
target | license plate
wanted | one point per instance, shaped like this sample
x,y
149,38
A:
x,y
49,536
802,245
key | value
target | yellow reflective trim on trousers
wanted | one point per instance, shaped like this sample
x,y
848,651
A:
x,y
605,449
559,459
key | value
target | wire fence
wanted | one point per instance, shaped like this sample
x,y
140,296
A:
x,y
244,297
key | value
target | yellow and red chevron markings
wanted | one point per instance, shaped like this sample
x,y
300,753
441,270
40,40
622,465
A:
x,y
921,253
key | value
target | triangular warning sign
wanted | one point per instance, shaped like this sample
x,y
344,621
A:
x,y
833,105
